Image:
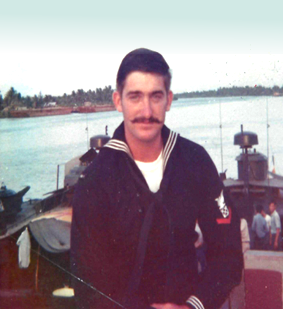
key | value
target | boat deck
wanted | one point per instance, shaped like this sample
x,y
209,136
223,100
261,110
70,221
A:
x,y
20,220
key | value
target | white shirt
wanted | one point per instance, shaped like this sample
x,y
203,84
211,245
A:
x,y
245,235
268,220
275,222
152,172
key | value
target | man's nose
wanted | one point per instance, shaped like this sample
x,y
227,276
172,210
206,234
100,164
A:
x,y
147,108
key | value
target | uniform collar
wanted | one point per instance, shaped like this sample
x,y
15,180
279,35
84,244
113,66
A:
x,y
118,142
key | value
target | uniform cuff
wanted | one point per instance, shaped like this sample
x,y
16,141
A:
x,y
195,303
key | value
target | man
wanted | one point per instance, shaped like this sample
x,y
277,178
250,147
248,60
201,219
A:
x,y
267,219
275,228
245,235
136,207
260,229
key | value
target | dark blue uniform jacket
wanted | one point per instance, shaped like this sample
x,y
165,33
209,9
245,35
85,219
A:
x,y
137,247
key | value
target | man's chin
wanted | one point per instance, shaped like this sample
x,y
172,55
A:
x,y
147,136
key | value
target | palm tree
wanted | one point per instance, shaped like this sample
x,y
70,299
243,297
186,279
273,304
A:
x,y
12,97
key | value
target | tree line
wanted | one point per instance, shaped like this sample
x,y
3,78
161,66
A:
x,y
234,91
14,99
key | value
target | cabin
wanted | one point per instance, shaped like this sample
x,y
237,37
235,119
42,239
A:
x,y
50,104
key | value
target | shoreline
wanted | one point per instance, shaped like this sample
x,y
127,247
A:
x,y
55,111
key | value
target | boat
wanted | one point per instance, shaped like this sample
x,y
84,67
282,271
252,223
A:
x,y
18,218
10,205
91,108
40,112
48,222
255,184
52,229
32,287
10,201
59,110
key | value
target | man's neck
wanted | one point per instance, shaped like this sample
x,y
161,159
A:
x,y
145,152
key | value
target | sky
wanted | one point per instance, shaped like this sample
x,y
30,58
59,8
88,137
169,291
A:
x,y
55,47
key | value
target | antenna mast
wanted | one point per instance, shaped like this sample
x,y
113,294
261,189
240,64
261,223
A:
x,y
87,139
220,126
267,133
267,137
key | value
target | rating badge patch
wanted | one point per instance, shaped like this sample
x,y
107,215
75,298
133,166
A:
x,y
222,206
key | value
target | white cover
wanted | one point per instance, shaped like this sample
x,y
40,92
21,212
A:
x,y
24,249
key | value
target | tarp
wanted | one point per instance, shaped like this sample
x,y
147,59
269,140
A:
x,y
52,230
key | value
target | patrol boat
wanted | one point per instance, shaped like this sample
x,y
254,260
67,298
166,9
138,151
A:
x,y
255,184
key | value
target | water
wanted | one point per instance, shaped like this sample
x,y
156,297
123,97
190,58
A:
x,y
31,148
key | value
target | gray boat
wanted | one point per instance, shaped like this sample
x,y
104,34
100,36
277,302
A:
x,y
255,183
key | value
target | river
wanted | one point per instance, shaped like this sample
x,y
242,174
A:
x,y
31,148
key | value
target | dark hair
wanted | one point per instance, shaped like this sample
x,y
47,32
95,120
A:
x,y
143,60
259,208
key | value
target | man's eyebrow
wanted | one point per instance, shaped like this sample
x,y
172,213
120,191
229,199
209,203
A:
x,y
157,92
133,92
137,92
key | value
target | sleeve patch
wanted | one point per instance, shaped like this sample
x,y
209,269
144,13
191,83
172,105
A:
x,y
225,220
222,206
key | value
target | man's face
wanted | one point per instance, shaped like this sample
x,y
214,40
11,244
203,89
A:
x,y
272,207
143,102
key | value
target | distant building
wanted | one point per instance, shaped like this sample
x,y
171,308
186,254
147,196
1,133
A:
x,y
87,104
50,104
20,108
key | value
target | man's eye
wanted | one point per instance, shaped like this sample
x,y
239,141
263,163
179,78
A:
x,y
157,97
134,97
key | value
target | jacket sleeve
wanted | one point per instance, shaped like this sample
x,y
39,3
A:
x,y
220,225
91,261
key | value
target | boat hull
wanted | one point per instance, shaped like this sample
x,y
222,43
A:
x,y
40,112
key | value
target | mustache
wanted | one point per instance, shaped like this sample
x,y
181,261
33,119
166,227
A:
x,y
146,120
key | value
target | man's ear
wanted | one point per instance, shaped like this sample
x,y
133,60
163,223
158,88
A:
x,y
169,100
117,100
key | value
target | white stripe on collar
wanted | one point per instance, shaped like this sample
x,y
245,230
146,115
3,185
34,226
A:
x,y
169,147
195,302
120,145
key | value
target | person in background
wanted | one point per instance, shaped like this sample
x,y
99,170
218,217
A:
x,y
275,240
136,206
267,219
259,227
245,235
237,296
